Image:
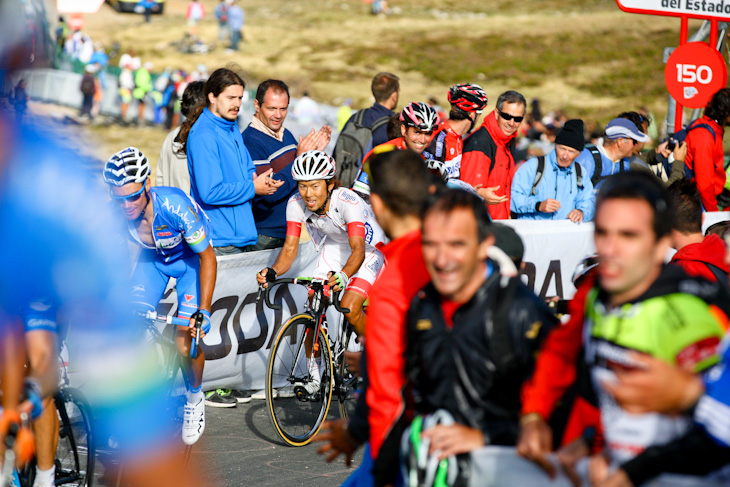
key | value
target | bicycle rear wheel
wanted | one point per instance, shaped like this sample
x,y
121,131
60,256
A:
x,y
75,451
295,414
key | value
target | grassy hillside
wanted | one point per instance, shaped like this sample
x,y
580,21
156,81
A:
x,y
584,56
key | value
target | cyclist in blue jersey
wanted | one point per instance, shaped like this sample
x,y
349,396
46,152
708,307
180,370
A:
x,y
173,234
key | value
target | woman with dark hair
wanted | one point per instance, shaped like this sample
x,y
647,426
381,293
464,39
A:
x,y
172,168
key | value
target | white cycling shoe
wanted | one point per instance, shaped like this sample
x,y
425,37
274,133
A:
x,y
193,422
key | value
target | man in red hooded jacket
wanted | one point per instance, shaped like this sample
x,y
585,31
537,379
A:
x,y
698,255
488,160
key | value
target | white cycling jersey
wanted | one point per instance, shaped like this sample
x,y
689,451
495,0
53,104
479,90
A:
x,y
348,216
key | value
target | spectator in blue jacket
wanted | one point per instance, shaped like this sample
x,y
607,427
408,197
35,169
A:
x,y
222,176
564,191
235,24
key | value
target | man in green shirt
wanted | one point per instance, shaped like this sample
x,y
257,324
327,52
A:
x,y
640,305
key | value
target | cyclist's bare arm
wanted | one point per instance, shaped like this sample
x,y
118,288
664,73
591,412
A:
x,y
208,273
284,260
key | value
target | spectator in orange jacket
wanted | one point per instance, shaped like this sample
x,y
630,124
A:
x,y
488,161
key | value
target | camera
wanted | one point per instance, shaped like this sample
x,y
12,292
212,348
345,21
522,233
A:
x,y
671,144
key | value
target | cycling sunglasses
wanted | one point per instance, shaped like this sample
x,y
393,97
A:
x,y
509,117
131,198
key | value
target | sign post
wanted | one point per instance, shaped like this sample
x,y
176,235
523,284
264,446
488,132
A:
x,y
695,71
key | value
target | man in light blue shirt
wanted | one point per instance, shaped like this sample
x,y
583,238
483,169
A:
x,y
555,187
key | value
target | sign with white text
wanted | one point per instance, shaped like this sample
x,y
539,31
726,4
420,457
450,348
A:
x,y
698,9
694,73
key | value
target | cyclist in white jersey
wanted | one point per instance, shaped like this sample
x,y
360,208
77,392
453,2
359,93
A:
x,y
342,227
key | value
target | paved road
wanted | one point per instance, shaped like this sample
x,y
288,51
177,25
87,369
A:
x,y
239,447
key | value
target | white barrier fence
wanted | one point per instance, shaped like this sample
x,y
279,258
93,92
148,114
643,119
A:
x,y
496,466
237,346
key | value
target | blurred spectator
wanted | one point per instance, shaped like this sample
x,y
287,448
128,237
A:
x,y
344,113
488,160
306,111
652,130
559,189
146,7
705,154
235,24
380,7
221,14
172,167
88,89
20,99
126,85
99,57
194,13
129,59
143,86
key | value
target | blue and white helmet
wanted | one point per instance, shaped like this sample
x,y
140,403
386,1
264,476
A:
x,y
127,166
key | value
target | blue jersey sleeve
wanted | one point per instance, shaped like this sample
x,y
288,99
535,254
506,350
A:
x,y
188,218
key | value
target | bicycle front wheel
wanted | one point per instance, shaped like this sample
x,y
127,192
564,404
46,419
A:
x,y
297,404
75,451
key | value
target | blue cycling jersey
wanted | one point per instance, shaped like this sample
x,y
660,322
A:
x,y
176,218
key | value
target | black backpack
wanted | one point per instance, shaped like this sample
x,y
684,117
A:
x,y
597,178
351,146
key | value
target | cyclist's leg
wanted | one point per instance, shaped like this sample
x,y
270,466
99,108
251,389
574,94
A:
x,y
188,299
359,287
148,282
42,345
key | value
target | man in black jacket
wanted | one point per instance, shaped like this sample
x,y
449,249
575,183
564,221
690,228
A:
x,y
472,334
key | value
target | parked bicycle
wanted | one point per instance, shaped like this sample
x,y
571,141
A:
x,y
298,400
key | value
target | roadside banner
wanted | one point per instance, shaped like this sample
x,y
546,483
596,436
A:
x,y
237,347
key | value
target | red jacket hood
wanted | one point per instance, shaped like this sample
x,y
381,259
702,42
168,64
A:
x,y
711,250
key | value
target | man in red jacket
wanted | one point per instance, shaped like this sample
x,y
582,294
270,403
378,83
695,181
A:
x,y
705,155
488,161
697,254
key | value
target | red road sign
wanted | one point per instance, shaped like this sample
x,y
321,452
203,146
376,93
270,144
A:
x,y
696,9
693,73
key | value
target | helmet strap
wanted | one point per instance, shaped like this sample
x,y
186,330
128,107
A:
x,y
323,209
141,215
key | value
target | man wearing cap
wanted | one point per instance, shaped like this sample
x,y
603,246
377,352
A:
x,y
615,149
555,187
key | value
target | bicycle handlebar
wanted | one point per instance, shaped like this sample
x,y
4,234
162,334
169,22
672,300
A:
x,y
302,281
170,320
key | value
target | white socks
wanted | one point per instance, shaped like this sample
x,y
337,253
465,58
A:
x,y
45,478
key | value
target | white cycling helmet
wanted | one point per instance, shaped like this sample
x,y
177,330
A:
x,y
419,115
126,166
312,165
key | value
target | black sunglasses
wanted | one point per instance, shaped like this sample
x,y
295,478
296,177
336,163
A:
x,y
509,117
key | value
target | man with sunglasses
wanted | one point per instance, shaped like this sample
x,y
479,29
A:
x,y
173,234
488,160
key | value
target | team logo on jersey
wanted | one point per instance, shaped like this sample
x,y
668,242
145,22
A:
x,y
368,233
348,198
40,306
164,234
162,227
374,266
196,237
189,297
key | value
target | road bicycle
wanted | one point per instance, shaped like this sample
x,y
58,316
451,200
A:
x,y
296,413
